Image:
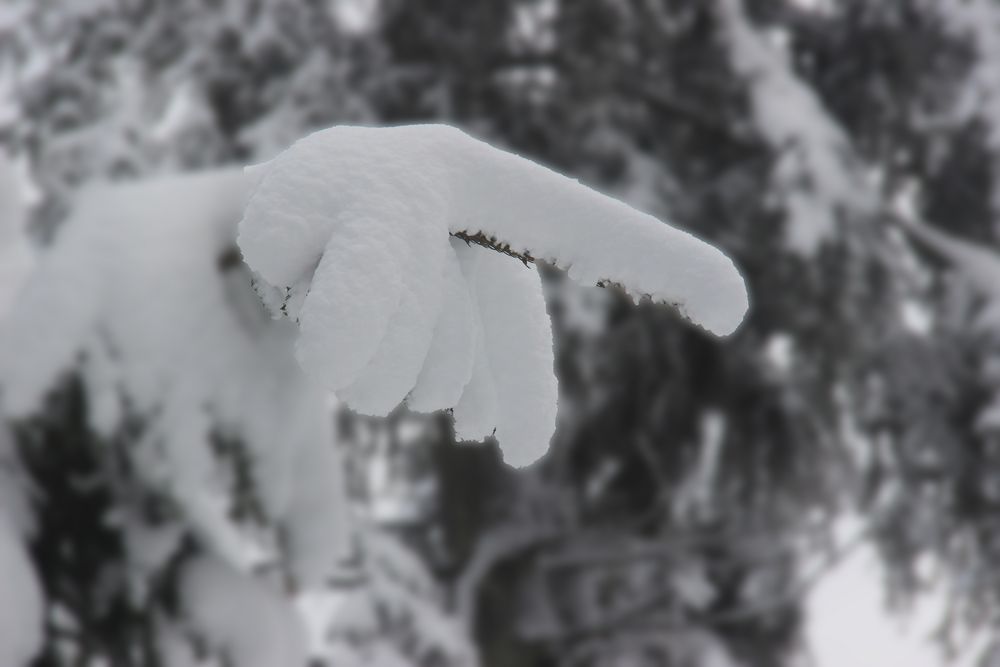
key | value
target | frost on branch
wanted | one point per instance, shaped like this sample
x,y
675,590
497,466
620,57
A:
x,y
351,232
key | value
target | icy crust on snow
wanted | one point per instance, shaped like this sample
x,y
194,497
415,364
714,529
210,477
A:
x,y
349,233
143,295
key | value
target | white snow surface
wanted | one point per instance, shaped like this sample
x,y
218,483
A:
x,y
138,296
349,232
513,371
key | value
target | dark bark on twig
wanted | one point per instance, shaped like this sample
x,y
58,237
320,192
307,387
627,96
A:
x,y
493,243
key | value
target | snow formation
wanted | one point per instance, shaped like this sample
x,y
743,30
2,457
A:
x,y
144,296
348,232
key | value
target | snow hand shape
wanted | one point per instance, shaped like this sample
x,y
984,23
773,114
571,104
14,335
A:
x,y
352,231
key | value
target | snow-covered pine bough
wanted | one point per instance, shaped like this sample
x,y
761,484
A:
x,y
387,247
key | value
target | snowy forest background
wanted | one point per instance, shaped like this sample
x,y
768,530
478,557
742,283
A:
x,y
698,492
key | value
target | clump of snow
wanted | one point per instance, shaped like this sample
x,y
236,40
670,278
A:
x,y
349,233
144,296
515,359
238,616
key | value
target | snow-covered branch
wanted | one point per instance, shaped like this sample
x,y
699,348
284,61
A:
x,y
351,234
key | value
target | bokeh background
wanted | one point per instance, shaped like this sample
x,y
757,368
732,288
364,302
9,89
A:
x,y
820,489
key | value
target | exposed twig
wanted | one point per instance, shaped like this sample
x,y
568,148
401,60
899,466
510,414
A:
x,y
493,243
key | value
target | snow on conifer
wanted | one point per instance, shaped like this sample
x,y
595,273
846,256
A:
x,y
143,295
349,233
516,339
